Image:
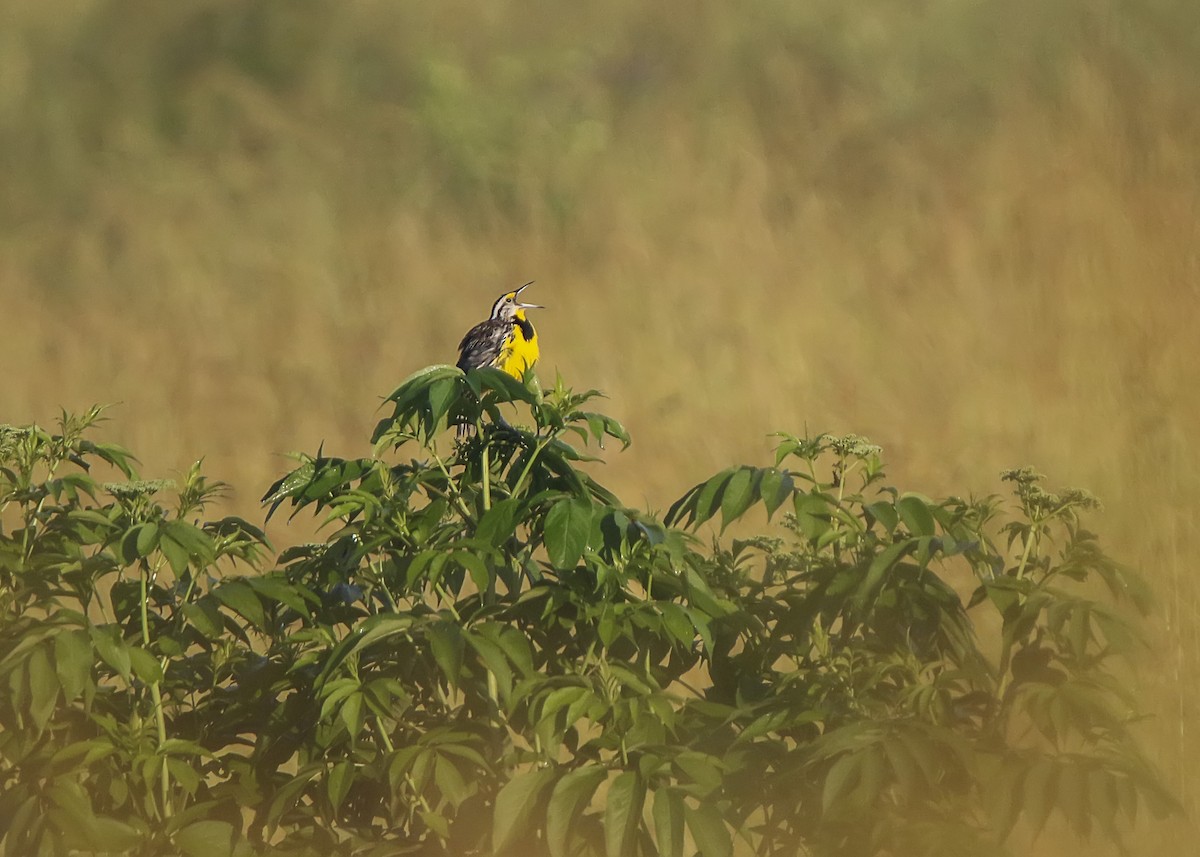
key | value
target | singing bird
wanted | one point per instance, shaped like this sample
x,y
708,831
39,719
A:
x,y
507,340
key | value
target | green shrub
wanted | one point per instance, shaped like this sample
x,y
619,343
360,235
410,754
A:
x,y
489,653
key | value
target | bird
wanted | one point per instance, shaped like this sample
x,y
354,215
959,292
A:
x,y
507,340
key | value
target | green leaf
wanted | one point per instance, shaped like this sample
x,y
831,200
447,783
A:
x,y
678,623
147,539
338,784
1038,790
450,781
668,822
112,649
840,780
738,495
515,806
175,553
205,839
494,660
239,597
145,666
279,589
43,686
73,661
709,498
289,486
708,829
498,523
1072,798
351,714
623,813
774,487
475,566
205,617
914,512
442,394
110,836
570,797
702,769
568,526
813,512
447,644
879,567
198,544
885,513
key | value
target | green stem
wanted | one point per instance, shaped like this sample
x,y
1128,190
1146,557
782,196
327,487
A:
x,y
486,465
446,600
537,450
155,691
451,487
383,736
1029,540
27,541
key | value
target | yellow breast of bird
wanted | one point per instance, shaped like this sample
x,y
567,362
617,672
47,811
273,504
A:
x,y
521,349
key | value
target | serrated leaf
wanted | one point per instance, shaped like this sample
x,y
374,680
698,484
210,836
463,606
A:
x,y
450,781
289,594
498,523
515,805
914,512
494,660
147,539
442,394
176,554
570,797
879,567
774,487
709,498
337,786
567,528
623,813
842,777
738,495
111,836
1037,789
238,596
686,503
198,544
709,831
112,649
207,838
351,714
289,485
73,661
668,822
145,666
43,686
448,646
885,513
678,623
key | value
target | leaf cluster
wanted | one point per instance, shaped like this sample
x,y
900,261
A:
x,y
489,653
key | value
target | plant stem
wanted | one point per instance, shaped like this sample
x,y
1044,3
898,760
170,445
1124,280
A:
x,y
1030,538
155,691
537,450
486,466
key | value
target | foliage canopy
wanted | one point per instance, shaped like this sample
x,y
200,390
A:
x,y
490,653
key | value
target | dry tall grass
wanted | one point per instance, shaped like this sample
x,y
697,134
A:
x,y
969,231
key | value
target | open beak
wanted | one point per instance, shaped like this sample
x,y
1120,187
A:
x,y
528,306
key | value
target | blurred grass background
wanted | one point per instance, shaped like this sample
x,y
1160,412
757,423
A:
x,y
968,230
